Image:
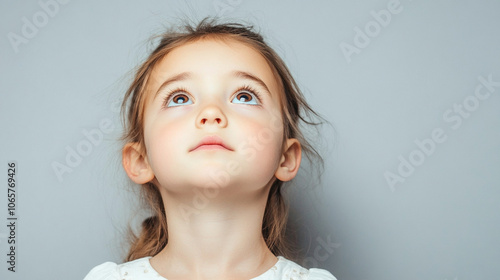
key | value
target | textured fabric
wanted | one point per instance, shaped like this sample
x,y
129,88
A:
x,y
141,269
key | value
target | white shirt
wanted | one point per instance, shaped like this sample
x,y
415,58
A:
x,y
141,269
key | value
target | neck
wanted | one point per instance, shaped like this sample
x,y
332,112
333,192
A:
x,y
215,236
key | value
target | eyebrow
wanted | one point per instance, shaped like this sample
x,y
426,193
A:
x,y
238,74
179,77
248,76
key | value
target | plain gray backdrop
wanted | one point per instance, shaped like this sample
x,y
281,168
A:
x,y
412,166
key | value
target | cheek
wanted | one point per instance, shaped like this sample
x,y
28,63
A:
x,y
162,143
260,149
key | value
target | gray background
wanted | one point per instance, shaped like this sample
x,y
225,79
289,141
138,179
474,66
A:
x,y
441,223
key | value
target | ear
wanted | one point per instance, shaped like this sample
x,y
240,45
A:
x,y
135,164
290,160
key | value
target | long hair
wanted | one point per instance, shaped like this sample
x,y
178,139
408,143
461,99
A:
x,y
294,109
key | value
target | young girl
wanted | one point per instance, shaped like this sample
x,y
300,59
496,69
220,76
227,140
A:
x,y
212,132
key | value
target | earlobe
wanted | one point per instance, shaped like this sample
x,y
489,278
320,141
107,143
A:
x,y
290,160
135,164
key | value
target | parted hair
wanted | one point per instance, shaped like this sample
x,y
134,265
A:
x,y
153,236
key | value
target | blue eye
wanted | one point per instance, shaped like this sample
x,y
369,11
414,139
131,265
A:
x,y
245,97
178,100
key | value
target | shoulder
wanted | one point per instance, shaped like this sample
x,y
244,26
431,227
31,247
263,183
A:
x,y
292,270
320,274
113,271
105,271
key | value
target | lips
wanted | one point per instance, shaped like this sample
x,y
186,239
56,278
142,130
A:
x,y
211,142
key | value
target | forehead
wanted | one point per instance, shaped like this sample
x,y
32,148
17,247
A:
x,y
212,58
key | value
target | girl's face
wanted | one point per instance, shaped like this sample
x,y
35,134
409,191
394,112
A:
x,y
216,88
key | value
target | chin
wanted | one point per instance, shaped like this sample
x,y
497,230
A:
x,y
212,177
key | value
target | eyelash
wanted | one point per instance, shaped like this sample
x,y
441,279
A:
x,y
248,88
170,94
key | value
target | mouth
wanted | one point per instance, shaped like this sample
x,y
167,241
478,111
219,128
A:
x,y
211,142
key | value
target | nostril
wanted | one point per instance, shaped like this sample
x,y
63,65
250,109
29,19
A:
x,y
205,121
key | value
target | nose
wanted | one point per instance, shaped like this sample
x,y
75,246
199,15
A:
x,y
211,115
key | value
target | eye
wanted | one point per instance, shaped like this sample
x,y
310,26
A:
x,y
246,96
178,100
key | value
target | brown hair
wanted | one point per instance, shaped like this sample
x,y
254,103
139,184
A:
x,y
153,236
